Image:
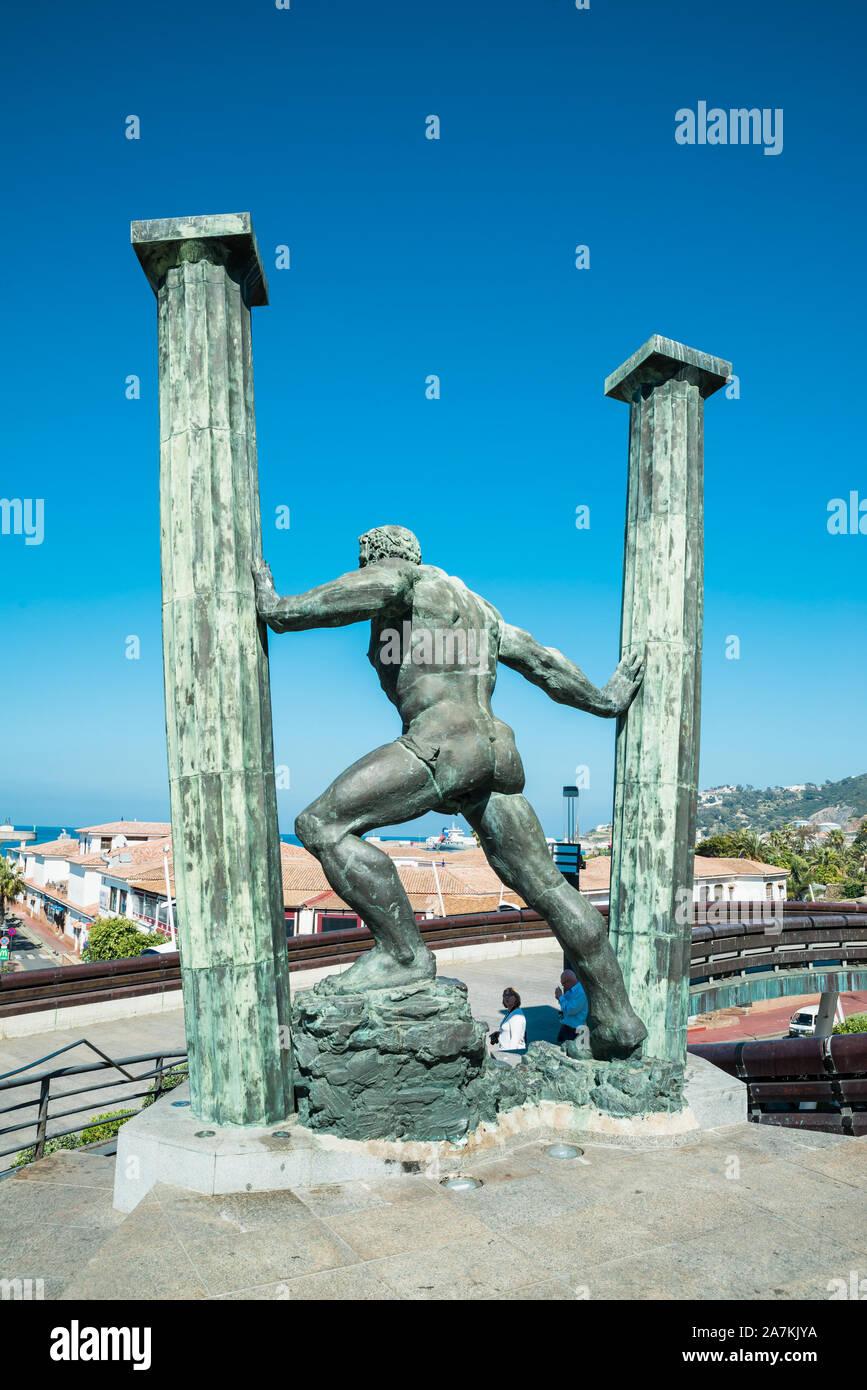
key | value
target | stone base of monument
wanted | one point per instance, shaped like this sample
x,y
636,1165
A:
x,y
399,1081
413,1063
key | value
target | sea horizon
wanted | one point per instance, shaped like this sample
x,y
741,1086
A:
x,y
45,834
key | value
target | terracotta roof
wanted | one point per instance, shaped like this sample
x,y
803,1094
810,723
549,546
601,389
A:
x,y
747,868
418,850
154,884
455,905
459,905
61,848
150,853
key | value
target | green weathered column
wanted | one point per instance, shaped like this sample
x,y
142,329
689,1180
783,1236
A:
x,y
656,765
207,275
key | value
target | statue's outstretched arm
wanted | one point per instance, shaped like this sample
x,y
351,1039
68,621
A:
x,y
353,598
561,679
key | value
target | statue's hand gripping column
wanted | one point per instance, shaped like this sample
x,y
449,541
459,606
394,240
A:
x,y
207,275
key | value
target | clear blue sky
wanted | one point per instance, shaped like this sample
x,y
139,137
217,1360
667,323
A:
x,y
456,257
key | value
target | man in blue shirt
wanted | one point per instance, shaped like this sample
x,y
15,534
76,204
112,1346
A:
x,y
573,1006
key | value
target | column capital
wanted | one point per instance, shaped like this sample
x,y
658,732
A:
x,y
662,359
227,237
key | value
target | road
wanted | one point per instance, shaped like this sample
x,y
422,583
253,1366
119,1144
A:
x,y
27,950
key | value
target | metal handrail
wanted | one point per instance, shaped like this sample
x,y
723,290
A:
x,y
163,1060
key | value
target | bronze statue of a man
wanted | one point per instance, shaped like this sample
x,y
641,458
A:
x,y
435,646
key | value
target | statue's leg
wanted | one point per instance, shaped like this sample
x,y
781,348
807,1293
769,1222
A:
x,y
515,846
385,787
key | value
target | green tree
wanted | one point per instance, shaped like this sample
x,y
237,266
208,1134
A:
x,y
12,885
723,846
115,938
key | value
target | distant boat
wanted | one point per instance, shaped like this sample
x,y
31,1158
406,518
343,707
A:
x,y
452,837
6,829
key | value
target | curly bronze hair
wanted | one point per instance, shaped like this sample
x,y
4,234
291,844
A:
x,y
386,543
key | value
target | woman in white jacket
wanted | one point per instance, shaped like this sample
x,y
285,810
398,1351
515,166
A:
x,y
510,1040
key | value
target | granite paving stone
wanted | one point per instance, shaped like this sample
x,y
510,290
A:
x,y
229,1260
357,1283
414,1225
846,1162
193,1216
74,1169
516,1202
541,1293
135,1271
53,1203
475,1267
751,1268
573,1245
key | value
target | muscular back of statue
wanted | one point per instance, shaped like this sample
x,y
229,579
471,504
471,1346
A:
x,y
437,662
435,646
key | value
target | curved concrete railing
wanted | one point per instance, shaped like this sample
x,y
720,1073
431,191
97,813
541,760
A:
x,y
811,948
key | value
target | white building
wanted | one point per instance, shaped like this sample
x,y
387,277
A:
x,y
716,880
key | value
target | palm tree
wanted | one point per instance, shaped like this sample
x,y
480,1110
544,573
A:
x,y
12,885
751,845
801,876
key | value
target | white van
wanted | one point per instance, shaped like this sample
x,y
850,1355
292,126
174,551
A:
x,y
803,1023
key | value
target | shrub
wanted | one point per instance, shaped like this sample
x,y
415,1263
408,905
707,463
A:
x,y
852,889
115,938
104,1127
855,1023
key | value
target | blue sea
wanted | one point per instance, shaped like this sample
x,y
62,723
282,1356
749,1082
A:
x,y
46,833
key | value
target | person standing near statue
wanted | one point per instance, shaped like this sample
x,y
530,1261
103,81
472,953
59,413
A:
x,y
573,1008
510,1039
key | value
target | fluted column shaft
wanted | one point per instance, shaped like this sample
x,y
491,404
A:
x,y
656,764
207,274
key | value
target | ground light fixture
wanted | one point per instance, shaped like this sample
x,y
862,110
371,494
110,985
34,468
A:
x,y
564,1151
461,1183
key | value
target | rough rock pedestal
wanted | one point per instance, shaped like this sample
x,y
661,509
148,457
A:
x,y
389,1063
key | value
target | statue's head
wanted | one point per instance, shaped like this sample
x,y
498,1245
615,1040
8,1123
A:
x,y
388,543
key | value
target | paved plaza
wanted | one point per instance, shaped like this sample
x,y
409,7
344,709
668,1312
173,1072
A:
x,y
743,1213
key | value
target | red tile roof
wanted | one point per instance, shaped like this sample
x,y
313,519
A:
x,y
60,849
